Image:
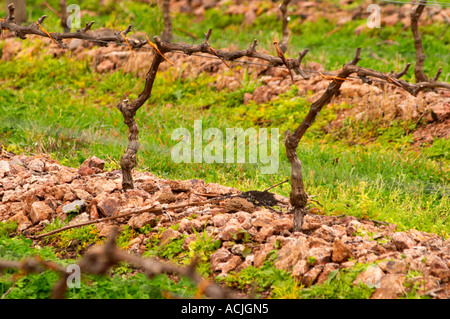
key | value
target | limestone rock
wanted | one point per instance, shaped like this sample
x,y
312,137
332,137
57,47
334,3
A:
x,y
391,286
36,165
291,253
322,255
239,204
4,168
227,266
219,256
74,207
39,212
327,269
22,221
94,163
300,269
231,232
140,220
341,252
168,235
82,218
167,197
309,278
402,241
329,233
261,254
370,277
396,267
108,206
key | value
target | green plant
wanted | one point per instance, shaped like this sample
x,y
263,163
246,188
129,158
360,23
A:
x,y
125,236
414,285
201,249
311,260
122,269
119,285
75,239
379,177
146,229
266,277
8,228
167,250
339,285
56,223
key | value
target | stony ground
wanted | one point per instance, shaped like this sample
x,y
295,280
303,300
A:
x,y
35,190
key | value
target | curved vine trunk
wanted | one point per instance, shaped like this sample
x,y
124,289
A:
x,y
128,110
285,29
416,12
64,15
20,15
298,195
166,35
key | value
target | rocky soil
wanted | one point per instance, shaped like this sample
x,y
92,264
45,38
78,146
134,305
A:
x,y
35,190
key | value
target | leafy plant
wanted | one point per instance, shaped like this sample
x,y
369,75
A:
x,y
77,239
339,285
121,284
414,285
259,279
311,260
125,236
7,228
201,248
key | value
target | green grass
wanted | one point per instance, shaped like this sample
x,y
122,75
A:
x,y
266,280
8,228
259,279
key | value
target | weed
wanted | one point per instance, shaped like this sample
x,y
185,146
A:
x,y
339,285
439,150
75,239
201,249
125,236
8,228
414,285
117,286
311,260
258,279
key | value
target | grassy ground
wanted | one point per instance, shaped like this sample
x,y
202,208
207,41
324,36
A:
x,y
60,106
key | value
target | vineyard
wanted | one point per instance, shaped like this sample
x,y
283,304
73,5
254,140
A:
x,y
118,157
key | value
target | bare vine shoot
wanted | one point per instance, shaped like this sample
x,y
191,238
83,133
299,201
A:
x,y
362,200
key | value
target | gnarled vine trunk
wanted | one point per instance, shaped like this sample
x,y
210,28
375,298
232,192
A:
x,y
128,110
